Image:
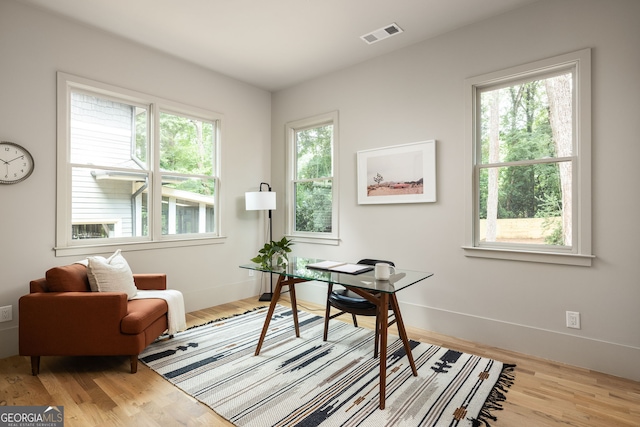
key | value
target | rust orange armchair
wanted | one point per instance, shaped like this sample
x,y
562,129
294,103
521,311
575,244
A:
x,y
61,316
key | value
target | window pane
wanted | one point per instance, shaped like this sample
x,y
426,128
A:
x,y
186,145
113,199
524,204
107,133
187,205
516,123
108,203
313,206
313,152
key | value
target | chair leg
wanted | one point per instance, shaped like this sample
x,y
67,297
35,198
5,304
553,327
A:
x,y
35,365
327,313
355,320
134,363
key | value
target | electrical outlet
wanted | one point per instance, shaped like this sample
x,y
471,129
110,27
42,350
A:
x,y
5,314
573,319
251,273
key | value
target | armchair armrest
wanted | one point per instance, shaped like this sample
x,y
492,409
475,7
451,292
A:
x,y
60,323
150,281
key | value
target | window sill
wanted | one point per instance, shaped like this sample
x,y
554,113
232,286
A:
x,y
135,246
332,241
529,256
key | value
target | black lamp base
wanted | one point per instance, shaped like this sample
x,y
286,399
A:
x,y
266,297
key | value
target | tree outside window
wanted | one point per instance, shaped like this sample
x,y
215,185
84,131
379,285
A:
x,y
312,177
186,165
526,162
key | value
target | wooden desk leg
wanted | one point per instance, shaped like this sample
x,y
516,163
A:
x,y
383,316
403,333
274,300
294,307
327,313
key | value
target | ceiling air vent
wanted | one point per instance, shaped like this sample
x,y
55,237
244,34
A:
x,y
381,33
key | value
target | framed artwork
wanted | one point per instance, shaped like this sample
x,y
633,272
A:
x,y
398,174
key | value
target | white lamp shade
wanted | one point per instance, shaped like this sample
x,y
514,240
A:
x,y
260,200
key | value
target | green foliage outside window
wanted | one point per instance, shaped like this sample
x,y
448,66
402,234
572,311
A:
x,y
313,186
525,133
186,145
186,148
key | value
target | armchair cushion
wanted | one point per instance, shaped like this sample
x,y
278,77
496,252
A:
x,y
142,313
68,278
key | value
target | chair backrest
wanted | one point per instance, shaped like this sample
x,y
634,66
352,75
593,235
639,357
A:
x,y
368,261
67,278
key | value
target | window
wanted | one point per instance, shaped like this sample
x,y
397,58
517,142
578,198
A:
x,y
133,168
312,202
529,177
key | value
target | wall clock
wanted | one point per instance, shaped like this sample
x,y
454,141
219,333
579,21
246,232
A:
x,y
16,163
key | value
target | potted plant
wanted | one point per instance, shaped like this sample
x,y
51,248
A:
x,y
273,254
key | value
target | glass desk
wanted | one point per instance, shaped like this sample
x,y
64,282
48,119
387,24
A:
x,y
382,293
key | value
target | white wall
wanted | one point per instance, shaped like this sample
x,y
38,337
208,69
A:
x,y
34,45
417,94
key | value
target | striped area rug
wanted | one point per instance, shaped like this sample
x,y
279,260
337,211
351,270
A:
x,y
307,382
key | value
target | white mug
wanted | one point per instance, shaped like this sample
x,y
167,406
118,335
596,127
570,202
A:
x,y
383,271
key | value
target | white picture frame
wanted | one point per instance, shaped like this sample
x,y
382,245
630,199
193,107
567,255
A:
x,y
403,173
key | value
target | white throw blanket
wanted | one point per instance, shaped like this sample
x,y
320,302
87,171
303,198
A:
x,y
175,315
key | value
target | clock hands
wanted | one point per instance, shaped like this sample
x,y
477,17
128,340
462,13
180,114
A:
x,y
6,162
19,157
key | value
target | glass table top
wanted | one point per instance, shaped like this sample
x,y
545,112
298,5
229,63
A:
x,y
297,268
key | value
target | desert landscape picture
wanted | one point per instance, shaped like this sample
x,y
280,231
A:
x,y
396,174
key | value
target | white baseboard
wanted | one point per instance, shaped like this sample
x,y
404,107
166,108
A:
x,y
584,352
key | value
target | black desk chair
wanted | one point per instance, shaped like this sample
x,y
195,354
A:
x,y
350,302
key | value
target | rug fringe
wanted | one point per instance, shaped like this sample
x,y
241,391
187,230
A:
x,y
496,397
225,318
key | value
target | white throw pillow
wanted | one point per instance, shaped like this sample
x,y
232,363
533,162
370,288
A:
x,y
92,280
111,275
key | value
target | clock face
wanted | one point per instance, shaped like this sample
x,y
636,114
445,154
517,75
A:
x,y
16,164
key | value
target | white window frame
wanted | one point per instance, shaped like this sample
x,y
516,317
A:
x,y
65,245
580,254
290,135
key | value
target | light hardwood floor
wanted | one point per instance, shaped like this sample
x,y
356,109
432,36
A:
x,y
100,391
